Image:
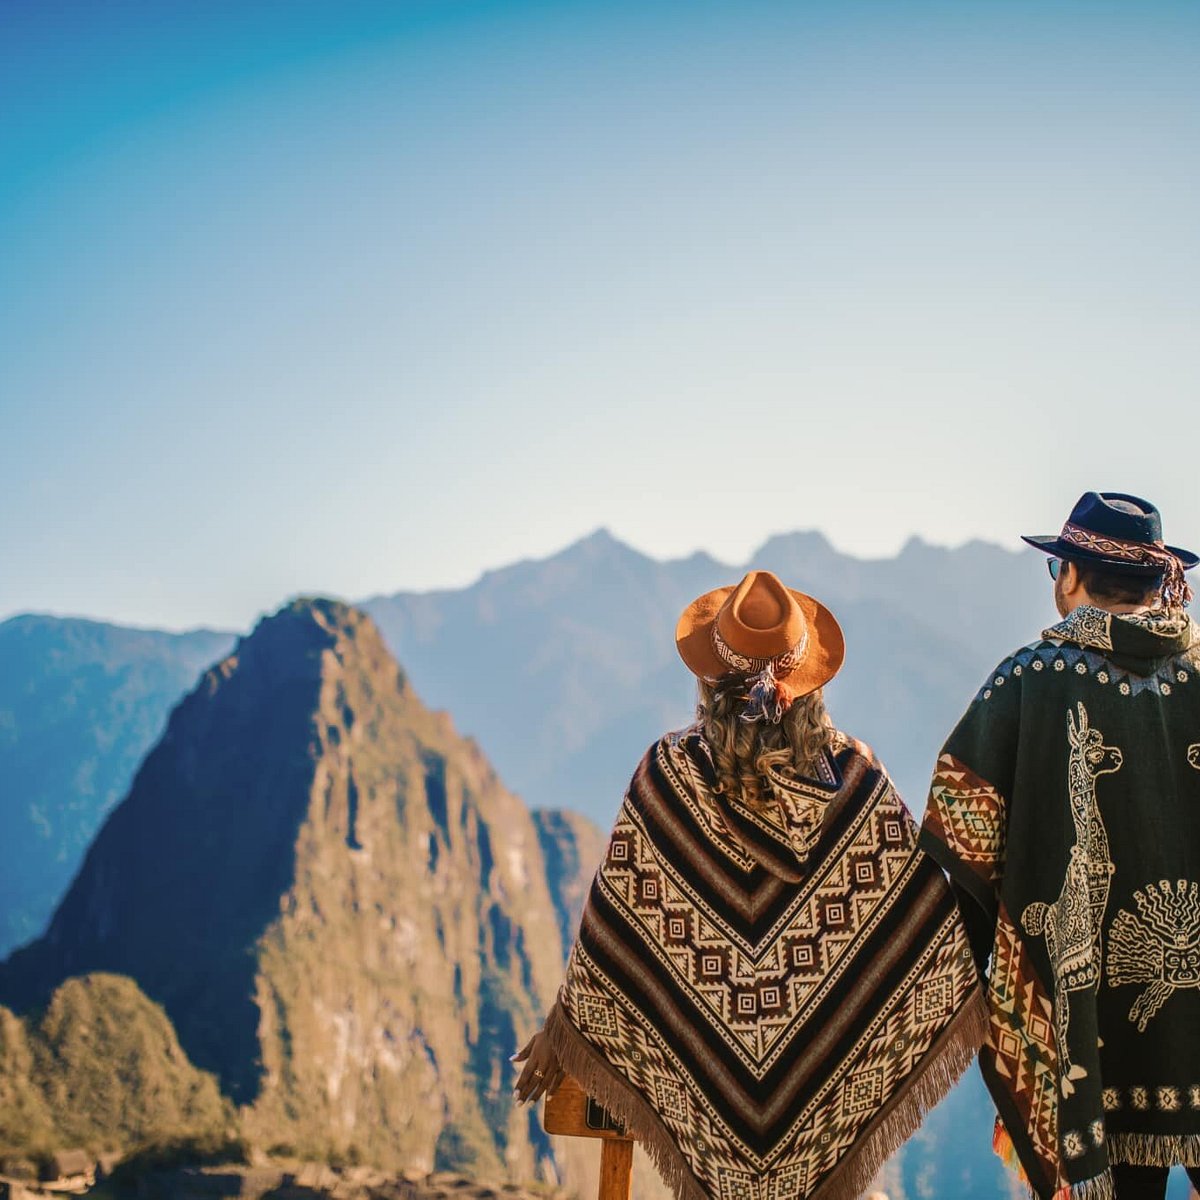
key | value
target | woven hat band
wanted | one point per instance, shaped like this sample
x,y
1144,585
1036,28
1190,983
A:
x,y
1175,589
780,664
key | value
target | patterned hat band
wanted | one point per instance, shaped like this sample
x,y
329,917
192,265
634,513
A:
x,y
780,664
1175,590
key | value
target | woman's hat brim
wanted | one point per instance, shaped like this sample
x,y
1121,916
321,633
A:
x,y
1051,543
826,643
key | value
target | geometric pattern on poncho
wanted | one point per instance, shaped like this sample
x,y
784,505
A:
x,y
1089,655
770,1023
966,812
1020,1046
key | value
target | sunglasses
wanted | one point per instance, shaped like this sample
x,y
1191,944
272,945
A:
x,y
1054,565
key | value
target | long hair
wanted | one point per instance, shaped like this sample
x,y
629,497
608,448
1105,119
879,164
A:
x,y
743,750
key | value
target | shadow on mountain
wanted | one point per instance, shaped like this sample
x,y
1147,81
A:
x,y
186,874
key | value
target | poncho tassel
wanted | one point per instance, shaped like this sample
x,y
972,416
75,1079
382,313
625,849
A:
x,y
1099,1187
1176,592
1155,1149
1003,1146
768,699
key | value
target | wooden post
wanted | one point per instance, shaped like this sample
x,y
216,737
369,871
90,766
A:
x,y
570,1111
616,1169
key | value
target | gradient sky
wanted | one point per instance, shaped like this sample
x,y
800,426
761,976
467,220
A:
x,y
354,297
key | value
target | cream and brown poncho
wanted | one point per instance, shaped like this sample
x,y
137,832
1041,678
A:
x,y
769,1000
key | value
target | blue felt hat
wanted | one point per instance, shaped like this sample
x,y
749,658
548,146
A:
x,y
1114,530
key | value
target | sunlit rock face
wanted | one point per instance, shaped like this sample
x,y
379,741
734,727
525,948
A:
x,y
342,910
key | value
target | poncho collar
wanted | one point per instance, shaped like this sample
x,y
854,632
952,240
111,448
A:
x,y
781,830
1145,637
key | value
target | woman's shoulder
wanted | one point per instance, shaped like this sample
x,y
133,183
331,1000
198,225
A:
x,y
847,749
687,741
685,752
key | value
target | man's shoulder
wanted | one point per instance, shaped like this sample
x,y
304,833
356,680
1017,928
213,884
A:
x,y
1040,658
1052,666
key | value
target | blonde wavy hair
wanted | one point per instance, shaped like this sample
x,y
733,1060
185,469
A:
x,y
743,750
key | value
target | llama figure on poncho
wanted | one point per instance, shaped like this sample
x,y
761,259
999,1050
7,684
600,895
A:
x,y
1071,923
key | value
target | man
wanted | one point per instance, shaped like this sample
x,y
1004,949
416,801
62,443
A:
x,y
1065,806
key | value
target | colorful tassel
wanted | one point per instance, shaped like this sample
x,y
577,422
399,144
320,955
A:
x,y
768,699
1176,591
1002,1144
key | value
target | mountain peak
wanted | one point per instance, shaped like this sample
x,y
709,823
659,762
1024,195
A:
x,y
800,541
601,543
600,549
293,640
326,613
332,896
600,536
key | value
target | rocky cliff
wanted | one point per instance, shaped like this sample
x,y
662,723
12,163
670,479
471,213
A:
x,y
341,909
572,847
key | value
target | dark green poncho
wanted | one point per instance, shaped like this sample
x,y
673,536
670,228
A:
x,y
1066,808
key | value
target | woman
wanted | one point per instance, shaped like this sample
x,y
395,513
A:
x,y
770,983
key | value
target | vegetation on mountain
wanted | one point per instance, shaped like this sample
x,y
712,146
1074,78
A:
x,y
102,1069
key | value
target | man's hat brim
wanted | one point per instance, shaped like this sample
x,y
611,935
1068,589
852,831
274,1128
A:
x,y
1052,544
826,643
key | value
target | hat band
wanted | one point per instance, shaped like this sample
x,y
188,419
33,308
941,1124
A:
x,y
781,663
1174,590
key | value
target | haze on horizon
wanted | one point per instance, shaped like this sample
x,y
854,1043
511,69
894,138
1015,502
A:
x,y
355,299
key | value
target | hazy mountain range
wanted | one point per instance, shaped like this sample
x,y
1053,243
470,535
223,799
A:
x,y
564,669
80,704
329,895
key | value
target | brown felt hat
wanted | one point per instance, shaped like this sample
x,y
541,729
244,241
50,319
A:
x,y
761,623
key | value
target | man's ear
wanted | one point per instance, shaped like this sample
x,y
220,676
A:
x,y
1073,585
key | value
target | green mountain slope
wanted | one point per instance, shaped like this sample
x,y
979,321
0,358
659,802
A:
x,y
101,1068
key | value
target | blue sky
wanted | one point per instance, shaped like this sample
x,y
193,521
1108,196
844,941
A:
x,y
354,297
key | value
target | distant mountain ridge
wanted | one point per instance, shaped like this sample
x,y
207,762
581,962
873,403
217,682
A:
x,y
563,668
80,703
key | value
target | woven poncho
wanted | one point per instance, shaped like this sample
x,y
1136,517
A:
x,y
769,1000
1066,808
